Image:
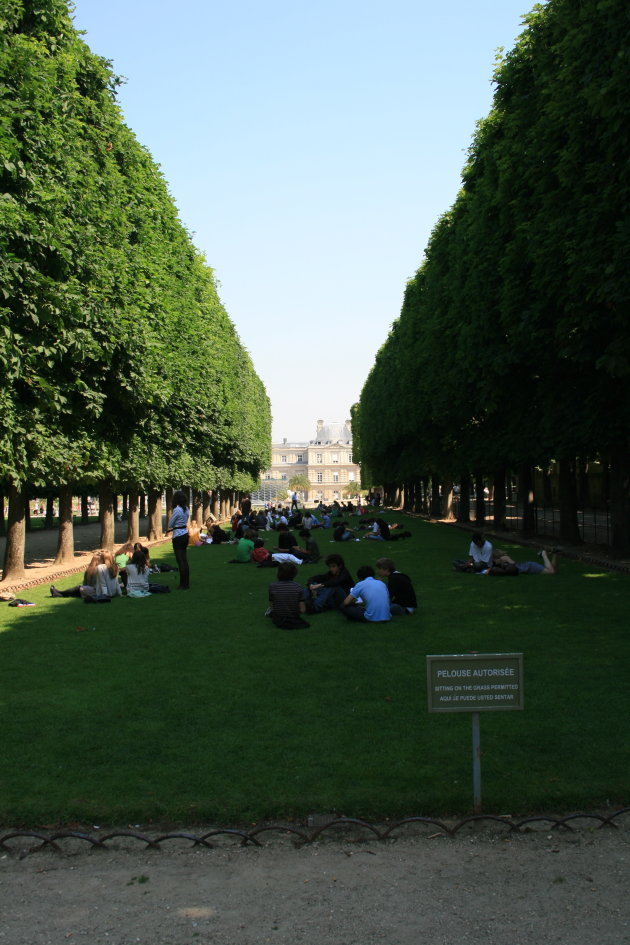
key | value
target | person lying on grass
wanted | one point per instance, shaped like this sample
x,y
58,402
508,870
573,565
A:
x,y
504,566
402,597
368,600
286,599
100,581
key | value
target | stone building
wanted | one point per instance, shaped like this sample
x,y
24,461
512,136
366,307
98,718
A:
x,y
326,461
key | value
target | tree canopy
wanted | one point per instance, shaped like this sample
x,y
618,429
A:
x,y
512,345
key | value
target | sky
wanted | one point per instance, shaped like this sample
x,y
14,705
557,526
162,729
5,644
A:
x,y
310,150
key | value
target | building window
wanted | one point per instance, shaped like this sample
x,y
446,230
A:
x,y
300,458
349,457
319,458
267,475
335,457
351,476
283,459
320,477
283,476
335,476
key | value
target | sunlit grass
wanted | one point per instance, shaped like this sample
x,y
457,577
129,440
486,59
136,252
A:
x,y
193,707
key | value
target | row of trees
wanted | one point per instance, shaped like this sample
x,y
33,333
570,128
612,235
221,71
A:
x,y
513,344
120,367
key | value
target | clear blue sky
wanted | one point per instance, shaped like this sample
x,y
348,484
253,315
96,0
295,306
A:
x,y
310,149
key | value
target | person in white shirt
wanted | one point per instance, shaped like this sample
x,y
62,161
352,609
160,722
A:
x,y
178,524
479,553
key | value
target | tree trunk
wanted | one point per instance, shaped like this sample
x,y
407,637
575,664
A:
x,y
436,505
85,512
480,500
526,500
620,502
106,515
547,490
13,568
569,529
197,508
425,495
49,521
205,507
225,507
27,510
447,500
463,515
169,503
65,540
499,498
155,515
584,485
133,520
214,504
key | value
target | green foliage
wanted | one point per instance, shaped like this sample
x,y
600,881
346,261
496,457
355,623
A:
x,y
512,346
299,483
118,358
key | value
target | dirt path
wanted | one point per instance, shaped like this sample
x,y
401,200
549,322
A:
x,y
566,889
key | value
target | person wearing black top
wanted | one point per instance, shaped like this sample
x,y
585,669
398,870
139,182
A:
x,y
401,593
328,591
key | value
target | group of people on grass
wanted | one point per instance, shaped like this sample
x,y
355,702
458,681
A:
x,y
108,576
484,559
368,600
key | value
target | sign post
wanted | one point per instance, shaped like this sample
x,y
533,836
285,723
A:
x,y
475,682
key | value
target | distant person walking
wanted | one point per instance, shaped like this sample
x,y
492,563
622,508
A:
x,y
178,524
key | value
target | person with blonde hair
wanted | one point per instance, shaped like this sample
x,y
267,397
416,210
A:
x,y
100,581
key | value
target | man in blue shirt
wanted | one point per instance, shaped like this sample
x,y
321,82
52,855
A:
x,y
368,600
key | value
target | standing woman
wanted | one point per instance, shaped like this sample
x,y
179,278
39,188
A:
x,y
178,524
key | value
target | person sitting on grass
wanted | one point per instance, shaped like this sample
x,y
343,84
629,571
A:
x,y
368,600
124,553
215,534
286,539
138,577
308,551
245,547
309,521
479,553
343,533
286,599
100,581
328,591
402,597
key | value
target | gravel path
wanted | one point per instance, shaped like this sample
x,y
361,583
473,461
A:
x,y
568,889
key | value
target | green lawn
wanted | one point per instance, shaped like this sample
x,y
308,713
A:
x,y
194,707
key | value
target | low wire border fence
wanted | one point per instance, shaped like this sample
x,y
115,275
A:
x,y
349,828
